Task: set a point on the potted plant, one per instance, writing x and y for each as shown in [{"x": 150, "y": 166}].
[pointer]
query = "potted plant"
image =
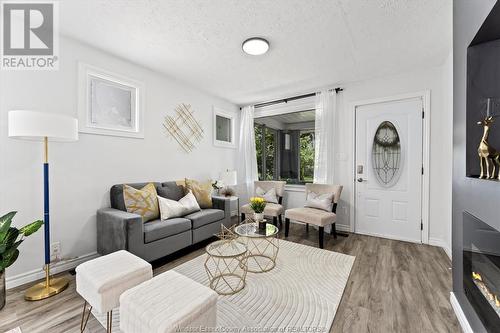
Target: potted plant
[
  {"x": 258, "y": 204},
  {"x": 10, "y": 239}
]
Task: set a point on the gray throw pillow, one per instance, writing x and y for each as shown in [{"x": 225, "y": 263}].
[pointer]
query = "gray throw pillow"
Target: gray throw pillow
[
  {"x": 170, "y": 191},
  {"x": 320, "y": 201}
]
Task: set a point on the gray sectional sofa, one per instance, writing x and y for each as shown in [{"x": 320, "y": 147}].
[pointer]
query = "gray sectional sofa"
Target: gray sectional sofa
[{"x": 119, "y": 230}]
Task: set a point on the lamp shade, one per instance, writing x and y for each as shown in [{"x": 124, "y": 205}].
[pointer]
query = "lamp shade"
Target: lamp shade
[
  {"x": 228, "y": 178},
  {"x": 36, "y": 125}
]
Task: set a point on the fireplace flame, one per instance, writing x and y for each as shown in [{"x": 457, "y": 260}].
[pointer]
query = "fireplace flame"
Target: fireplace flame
[{"x": 489, "y": 295}]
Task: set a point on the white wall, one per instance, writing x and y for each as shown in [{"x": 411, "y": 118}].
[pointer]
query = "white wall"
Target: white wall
[
  {"x": 436, "y": 80},
  {"x": 447, "y": 137},
  {"x": 82, "y": 172}
]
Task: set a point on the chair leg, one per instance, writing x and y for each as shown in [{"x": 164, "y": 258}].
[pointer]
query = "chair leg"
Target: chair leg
[
  {"x": 333, "y": 231},
  {"x": 321, "y": 233},
  {"x": 275, "y": 221},
  {"x": 109, "y": 321},
  {"x": 287, "y": 226},
  {"x": 83, "y": 322},
  {"x": 242, "y": 217},
  {"x": 280, "y": 220},
  {"x": 307, "y": 227}
]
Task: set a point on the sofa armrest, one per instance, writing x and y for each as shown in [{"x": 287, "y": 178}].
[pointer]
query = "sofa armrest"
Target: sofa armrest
[
  {"x": 115, "y": 229},
  {"x": 225, "y": 205}
]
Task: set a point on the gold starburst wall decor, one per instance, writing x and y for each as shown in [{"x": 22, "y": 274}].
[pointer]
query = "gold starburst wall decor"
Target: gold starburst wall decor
[{"x": 183, "y": 127}]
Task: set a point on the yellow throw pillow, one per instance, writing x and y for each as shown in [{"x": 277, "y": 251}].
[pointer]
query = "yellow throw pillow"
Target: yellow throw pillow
[
  {"x": 202, "y": 192},
  {"x": 143, "y": 202}
]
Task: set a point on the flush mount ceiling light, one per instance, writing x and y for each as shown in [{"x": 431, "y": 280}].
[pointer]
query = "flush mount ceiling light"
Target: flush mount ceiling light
[{"x": 255, "y": 46}]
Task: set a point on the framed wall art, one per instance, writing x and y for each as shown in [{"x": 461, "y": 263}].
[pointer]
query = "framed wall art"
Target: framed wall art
[{"x": 109, "y": 103}]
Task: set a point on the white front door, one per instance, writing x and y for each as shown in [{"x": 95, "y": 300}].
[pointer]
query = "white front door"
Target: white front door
[{"x": 389, "y": 169}]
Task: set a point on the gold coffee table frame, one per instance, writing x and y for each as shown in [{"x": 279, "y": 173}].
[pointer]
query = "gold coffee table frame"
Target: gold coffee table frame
[
  {"x": 262, "y": 246},
  {"x": 226, "y": 266}
]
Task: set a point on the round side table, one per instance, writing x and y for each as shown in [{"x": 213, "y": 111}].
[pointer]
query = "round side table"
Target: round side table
[
  {"x": 226, "y": 266},
  {"x": 262, "y": 245}
]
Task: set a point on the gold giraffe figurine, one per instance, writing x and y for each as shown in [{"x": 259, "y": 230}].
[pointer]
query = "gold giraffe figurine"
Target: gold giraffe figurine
[{"x": 489, "y": 158}]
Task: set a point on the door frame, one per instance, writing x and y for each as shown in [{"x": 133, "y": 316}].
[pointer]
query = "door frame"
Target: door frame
[{"x": 425, "y": 95}]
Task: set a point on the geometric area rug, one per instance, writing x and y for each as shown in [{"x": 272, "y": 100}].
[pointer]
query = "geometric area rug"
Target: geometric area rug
[{"x": 301, "y": 293}]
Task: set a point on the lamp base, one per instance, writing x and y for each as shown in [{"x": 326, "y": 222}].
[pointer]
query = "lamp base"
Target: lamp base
[
  {"x": 41, "y": 291},
  {"x": 46, "y": 289}
]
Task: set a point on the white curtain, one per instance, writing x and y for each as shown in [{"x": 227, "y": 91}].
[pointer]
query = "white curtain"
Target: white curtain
[
  {"x": 247, "y": 156},
  {"x": 324, "y": 157}
]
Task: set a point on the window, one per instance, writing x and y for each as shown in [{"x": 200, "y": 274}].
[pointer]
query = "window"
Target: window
[
  {"x": 306, "y": 155},
  {"x": 285, "y": 147},
  {"x": 223, "y": 129}
]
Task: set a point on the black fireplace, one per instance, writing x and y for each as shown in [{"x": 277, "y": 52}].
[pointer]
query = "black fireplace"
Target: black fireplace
[{"x": 481, "y": 268}]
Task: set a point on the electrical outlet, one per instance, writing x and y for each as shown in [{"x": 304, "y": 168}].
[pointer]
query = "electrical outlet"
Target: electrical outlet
[{"x": 55, "y": 251}]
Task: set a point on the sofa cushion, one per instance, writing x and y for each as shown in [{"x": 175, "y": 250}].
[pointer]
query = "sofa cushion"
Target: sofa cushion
[
  {"x": 116, "y": 194},
  {"x": 170, "y": 190},
  {"x": 159, "y": 229},
  {"x": 205, "y": 216}
]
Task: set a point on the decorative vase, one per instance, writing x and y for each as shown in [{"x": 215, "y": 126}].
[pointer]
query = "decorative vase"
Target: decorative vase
[
  {"x": 258, "y": 217},
  {"x": 3, "y": 291}
]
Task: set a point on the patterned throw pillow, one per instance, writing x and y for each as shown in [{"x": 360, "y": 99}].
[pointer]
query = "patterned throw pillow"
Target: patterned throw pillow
[
  {"x": 143, "y": 202},
  {"x": 269, "y": 196},
  {"x": 320, "y": 201},
  {"x": 202, "y": 192}
]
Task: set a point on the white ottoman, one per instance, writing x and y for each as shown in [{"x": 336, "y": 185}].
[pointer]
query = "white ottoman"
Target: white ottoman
[
  {"x": 170, "y": 302},
  {"x": 101, "y": 281}
]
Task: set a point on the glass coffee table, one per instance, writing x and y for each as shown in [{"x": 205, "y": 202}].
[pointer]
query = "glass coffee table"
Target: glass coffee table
[
  {"x": 262, "y": 246},
  {"x": 226, "y": 266}
]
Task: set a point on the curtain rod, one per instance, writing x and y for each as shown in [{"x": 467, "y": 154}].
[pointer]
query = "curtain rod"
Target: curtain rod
[{"x": 286, "y": 100}]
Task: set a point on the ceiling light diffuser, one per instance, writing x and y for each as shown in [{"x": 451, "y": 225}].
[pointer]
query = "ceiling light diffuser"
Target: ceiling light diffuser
[{"x": 255, "y": 46}]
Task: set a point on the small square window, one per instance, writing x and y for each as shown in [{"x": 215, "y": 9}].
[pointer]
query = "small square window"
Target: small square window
[{"x": 223, "y": 129}]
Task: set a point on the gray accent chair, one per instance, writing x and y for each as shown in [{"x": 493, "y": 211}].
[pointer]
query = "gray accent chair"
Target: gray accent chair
[{"x": 119, "y": 230}]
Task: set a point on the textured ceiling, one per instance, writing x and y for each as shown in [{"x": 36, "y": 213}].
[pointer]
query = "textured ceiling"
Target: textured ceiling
[{"x": 314, "y": 43}]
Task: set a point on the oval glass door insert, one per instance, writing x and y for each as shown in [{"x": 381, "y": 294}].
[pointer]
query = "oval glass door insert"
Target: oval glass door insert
[{"x": 386, "y": 154}]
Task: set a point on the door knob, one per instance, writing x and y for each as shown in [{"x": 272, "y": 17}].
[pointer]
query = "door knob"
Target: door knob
[{"x": 360, "y": 180}]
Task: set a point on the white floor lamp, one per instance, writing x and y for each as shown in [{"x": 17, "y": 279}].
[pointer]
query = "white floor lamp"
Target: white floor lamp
[{"x": 40, "y": 126}]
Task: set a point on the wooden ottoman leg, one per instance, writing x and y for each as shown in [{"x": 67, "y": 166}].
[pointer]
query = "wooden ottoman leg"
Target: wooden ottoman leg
[
  {"x": 280, "y": 220},
  {"x": 242, "y": 217},
  {"x": 287, "y": 226},
  {"x": 275, "y": 221},
  {"x": 307, "y": 227},
  {"x": 321, "y": 233},
  {"x": 333, "y": 231}
]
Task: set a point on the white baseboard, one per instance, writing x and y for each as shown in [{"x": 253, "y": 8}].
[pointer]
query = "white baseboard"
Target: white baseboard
[
  {"x": 442, "y": 244},
  {"x": 460, "y": 314},
  {"x": 343, "y": 227},
  {"x": 37, "y": 274},
  {"x": 339, "y": 227}
]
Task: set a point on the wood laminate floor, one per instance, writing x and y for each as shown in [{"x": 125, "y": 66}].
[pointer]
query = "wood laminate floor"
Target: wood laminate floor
[{"x": 393, "y": 287}]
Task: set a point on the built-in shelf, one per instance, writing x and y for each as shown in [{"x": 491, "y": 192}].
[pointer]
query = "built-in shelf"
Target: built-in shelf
[{"x": 483, "y": 98}]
